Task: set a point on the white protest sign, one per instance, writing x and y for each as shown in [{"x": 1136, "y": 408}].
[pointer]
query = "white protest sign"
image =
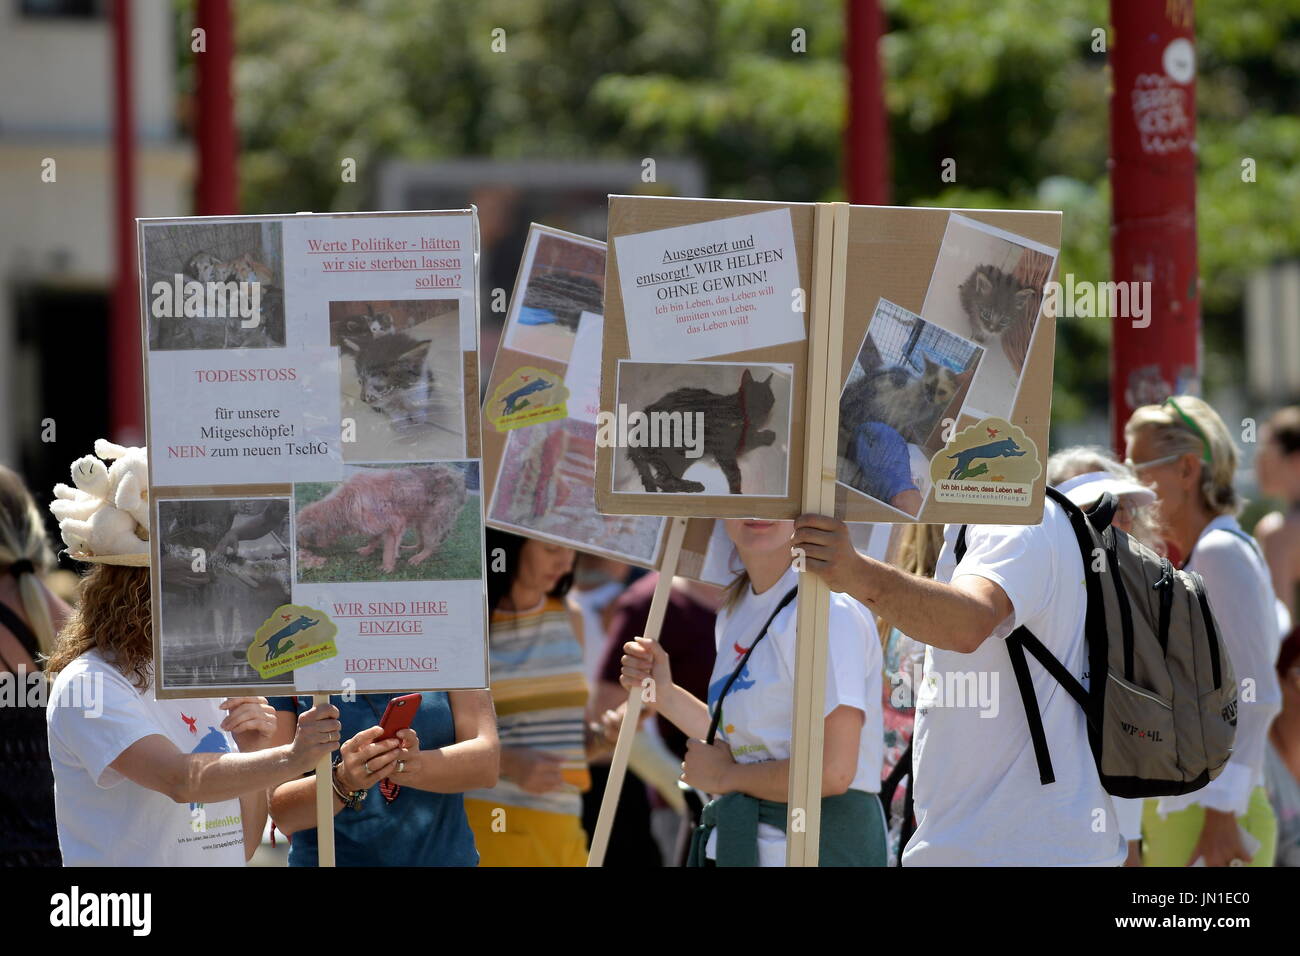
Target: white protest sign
[{"x": 712, "y": 288}]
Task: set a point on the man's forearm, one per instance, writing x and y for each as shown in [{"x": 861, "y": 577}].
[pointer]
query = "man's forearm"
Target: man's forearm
[{"x": 925, "y": 610}]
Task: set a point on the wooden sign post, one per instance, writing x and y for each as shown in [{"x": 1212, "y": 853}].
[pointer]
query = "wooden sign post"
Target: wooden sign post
[
  {"x": 635, "y": 697},
  {"x": 324, "y": 801},
  {"x": 803, "y": 826}
]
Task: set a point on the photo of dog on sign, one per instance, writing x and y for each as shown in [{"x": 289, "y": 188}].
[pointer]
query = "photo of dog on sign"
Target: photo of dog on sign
[{"x": 407, "y": 522}]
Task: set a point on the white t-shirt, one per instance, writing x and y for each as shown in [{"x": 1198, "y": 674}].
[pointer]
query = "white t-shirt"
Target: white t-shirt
[
  {"x": 757, "y": 711},
  {"x": 978, "y": 799},
  {"x": 104, "y": 819},
  {"x": 1240, "y": 592}
]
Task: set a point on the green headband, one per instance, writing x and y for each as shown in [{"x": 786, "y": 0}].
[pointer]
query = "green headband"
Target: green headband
[{"x": 1196, "y": 430}]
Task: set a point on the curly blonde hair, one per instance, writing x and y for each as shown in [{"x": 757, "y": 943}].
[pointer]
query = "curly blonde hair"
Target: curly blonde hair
[{"x": 113, "y": 617}]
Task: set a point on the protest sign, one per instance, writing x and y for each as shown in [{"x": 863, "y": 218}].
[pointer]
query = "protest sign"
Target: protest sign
[
  {"x": 312, "y": 411},
  {"x": 944, "y": 378},
  {"x": 541, "y": 406}
]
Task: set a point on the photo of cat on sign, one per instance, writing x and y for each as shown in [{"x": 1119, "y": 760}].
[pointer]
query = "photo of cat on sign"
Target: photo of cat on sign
[
  {"x": 987, "y": 286},
  {"x": 400, "y": 373},
  {"x": 909, "y": 377},
  {"x": 714, "y": 428}
]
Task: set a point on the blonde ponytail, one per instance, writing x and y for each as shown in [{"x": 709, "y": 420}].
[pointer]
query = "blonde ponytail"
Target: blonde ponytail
[{"x": 25, "y": 553}]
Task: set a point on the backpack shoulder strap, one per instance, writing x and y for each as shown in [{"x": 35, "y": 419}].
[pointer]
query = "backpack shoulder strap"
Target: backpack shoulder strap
[
  {"x": 1018, "y": 642},
  {"x": 717, "y": 708}
]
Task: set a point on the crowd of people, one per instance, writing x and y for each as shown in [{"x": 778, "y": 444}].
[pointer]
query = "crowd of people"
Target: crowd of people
[{"x": 104, "y": 773}]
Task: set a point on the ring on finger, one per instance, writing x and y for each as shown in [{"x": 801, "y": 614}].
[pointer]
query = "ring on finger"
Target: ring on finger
[
  {"x": 401, "y": 766},
  {"x": 367, "y": 766}
]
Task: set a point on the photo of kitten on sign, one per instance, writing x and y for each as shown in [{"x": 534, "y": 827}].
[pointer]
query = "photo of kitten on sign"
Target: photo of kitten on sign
[
  {"x": 909, "y": 377},
  {"x": 987, "y": 286},
  {"x": 213, "y": 285},
  {"x": 715, "y": 428},
  {"x": 400, "y": 365},
  {"x": 361, "y": 529}
]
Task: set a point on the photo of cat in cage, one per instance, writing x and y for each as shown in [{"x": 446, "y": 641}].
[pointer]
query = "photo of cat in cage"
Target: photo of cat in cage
[
  {"x": 563, "y": 277},
  {"x": 401, "y": 377},
  {"x": 987, "y": 286},
  {"x": 227, "y": 259},
  {"x": 713, "y": 428},
  {"x": 909, "y": 377}
]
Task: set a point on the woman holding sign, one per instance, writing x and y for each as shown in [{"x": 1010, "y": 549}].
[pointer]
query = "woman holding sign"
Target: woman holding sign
[
  {"x": 140, "y": 781},
  {"x": 740, "y": 746},
  {"x": 397, "y": 796}
]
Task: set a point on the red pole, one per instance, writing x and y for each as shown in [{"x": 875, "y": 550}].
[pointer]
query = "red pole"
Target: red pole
[
  {"x": 1153, "y": 202},
  {"x": 126, "y": 399},
  {"x": 866, "y": 137},
  {"x": 217, "y": 188}
]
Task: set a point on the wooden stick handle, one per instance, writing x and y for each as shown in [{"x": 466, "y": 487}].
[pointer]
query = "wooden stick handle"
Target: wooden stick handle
[
  {"x": 632, "y": 716},
  {"x": 324, "y": 802}
]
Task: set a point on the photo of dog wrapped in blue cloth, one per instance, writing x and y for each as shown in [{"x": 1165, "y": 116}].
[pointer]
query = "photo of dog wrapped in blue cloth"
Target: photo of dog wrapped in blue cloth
[{"x": 909, "y": 378}]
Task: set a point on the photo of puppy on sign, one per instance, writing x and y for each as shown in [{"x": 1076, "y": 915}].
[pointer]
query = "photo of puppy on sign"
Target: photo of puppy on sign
[{"x": 358, "y": 529}]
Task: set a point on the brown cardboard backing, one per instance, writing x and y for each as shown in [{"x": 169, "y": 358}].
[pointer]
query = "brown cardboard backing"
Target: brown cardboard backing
[
  {"x": 268, "y": 490},
  {"x": 891, "y": 252},
  {"x": 897, "y": 248},
  {"x": 634, "y": 214}
]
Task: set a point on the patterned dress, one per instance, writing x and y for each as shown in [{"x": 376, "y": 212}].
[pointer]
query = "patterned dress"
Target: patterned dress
[{"x": 540, "y": 692}]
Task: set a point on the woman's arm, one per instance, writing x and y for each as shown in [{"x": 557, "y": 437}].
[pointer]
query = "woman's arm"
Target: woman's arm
[
  {"x": 473, "y": 762},
  {"x": 712, "y": 769},
  {"x": 154, "y": 762},
  {"x": 646, "y": 670},
  {"x": 292, "y": 805}
]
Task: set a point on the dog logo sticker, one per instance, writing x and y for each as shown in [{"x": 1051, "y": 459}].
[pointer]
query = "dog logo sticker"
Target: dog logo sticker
[
  {"x": 990, "y": 462},
  {"x": 529, "y": 396},
  {"x": 294, "y": 636}
]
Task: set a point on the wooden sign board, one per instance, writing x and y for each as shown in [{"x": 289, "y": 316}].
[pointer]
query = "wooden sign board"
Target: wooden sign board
[
  {"x": 946, "y": 361},
  {"x": 311, "y": 389}
]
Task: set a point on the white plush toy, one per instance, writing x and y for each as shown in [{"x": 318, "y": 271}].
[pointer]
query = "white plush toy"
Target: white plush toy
[
  {"x": 128, "y": 479},
  {"x": 107, "y": 513}
]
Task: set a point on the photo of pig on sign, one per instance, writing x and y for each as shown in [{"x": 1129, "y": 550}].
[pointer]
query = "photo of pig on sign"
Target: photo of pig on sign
[{"x": 709, "y": 289}]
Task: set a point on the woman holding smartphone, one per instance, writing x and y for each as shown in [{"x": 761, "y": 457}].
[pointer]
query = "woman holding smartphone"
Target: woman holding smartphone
[
  {"x": 397, "y": 799},
  {"x": 750, "y": 697}
]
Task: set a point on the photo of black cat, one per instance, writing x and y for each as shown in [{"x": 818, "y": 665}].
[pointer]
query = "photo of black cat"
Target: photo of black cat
[
  {"x": 908, "y": 377},
  {"x": 702, "y": 428}
]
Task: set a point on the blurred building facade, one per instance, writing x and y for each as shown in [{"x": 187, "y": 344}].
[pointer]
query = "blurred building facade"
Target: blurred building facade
[{"x": 56, "y": 203}]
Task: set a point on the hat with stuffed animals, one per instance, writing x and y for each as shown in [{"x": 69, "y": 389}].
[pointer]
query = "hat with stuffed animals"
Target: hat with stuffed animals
[{"x": 105, "y": 518}]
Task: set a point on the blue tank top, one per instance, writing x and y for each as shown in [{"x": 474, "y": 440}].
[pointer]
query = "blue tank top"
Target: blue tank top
[{"x": 418, "y": 828}]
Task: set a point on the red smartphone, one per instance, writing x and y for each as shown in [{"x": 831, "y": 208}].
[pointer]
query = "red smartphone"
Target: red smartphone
[{"x": 398, "y": 714}]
